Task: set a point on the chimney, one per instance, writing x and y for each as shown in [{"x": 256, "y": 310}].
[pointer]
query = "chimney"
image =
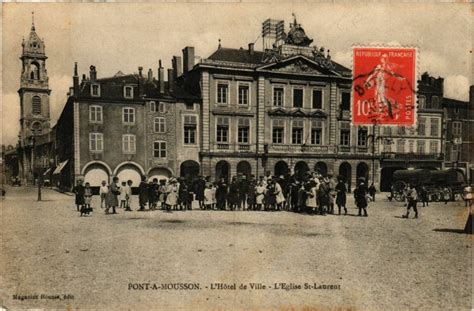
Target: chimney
[
  {"x": 177, "y": 67},
  {"x": 141, "y": 82},
  {"x": 92, "y": 73},
  {"x": 161, "y": 78},
  {"x": 84, "y": 78},
  {"x": 188, "y": 58},
  {"x": 75, "y": 81},
  {"x": 170, "y": 80},
  {"x": 150, "y": 75},
  {"x": 251, "y": 48}
]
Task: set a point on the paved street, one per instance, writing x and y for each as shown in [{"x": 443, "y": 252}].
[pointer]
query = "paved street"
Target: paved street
[{"x": 381, "y": 262}]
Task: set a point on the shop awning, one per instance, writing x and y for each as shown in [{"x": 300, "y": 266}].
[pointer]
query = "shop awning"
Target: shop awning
[{"x": 60, "y": 167}]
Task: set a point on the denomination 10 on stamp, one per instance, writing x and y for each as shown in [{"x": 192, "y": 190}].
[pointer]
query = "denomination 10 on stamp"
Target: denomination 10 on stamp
[{"x": 384, "y": 86}]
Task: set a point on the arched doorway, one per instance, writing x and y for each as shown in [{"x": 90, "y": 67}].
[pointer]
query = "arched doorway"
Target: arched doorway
[
  {"x": 386, "y": 177},
  {"x": 281, "y": 168},
  {"x": 222, "y": 170},
  {"x": 94, "y": 175},
  {"x": 301, "y": 169},
  {"x": 362, "y": 170},
  {"x": 189, "y": 170},
  {"x": 129, "y": 172},
  {"x": 345, "y": 173},
  {"x": 321, "y": 168},
  {"x": 159, "y": 173},
  {"x": 244, "y": 168}
]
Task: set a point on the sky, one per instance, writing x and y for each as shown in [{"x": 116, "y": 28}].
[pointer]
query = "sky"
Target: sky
[{"x": 125, "y": 36}]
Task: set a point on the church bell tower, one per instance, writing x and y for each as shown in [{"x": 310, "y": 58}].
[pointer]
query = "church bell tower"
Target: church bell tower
[{"x": 34, "y": 88}]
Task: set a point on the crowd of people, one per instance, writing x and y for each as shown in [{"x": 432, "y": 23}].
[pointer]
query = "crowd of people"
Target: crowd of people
[{"x": 303, "y": 193}]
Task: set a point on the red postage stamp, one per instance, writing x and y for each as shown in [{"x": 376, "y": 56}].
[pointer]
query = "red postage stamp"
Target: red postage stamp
[{"x": 384, "y": 86}]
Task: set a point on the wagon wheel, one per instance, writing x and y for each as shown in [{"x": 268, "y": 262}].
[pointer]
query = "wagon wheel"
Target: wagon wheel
[{"x": 398, "y": 191}]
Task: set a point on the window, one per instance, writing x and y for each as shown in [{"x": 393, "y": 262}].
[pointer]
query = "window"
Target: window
[
  {"x": 128, "y": 115},
  {"x": 243, "y": 95},
  {"x": 316, "y": 133},
  {"x": 222, "y": 93},
  {"x": 152, "y": 107},
  {"x": 189, "y": 106},
  {"x": 420, "y": 146},
  {"x": 190, "y": 126},
  {"x": 36, "y": 105},
  {"x": 159, "y": 125},
  {"x": 400, "y": 146},
  {"x": 298, "y": 98},
  {"x": 422, "y": 102},
  {"x": 457, "y": 128},
  {"x": 411, "y": 146},
  {"x": 387, "y": 131},
  {"x": 243, "y": 131},
  {"x": 434, "y": 127},
  {"x": 433, "y": 147},
  {"x": 297, "y": 132},
  {"x": 317, "y": 99},
  {"x": 362, "y": 137},
  {"x": 401, "y": 130},
  {"x": 278, "y": 131},
  {"x": 96, "y": 142},
  {"x": 95, "y": 90},
  {"x": 222, "y": 135},
  {"x": 36, "y": 128},
  {"x": 345, "y": 134},
  {"x": 161, "y": 108},
  {"x": 95, "y": 114},
  {"x": 387, "y": 147},
  {"x": 455, "y": 149},
  {"x": 278, "y": 96},
  {"x": 345, "y": 101},
  {"x": 421, "y": 126},
  {"x": 128, "y": 143},
  {"x": 434, "y": 102},
  {"x": 128, "y": 91},
  {"x": 159, "y": 149}
]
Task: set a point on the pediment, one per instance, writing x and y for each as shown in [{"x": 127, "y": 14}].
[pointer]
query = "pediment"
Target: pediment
[
  {"x": 298, "y": 65},
  {"x": 278, "y": 112},
  {"x": 319, "y": 114},
  {"x": 298, "y": 113}
]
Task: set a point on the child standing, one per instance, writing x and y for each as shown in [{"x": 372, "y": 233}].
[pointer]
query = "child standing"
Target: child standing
[
  {"x": 86, "y": 208},
  {"x": 128, "y": 195},
  {"x": 103, "y": 194},
  {"x": 123, "y": 195},
  {"x": 208, "y": 196}
]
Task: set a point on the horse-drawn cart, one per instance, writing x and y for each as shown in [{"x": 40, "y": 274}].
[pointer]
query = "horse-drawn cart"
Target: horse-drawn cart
[{"x": 442, "y": 185}]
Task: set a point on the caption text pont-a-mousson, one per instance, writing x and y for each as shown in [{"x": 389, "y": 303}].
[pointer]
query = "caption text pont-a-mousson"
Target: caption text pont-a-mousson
[{"x": 232, "y": 286}]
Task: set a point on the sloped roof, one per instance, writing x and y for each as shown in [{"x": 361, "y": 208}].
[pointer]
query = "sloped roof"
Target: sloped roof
[
  {"x": 450, "y": 102},
  {"x": 256, "y": 58},
  {"x": 237, "y": 56}
]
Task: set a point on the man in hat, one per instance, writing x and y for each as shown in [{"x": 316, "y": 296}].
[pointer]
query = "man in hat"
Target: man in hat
[
  {"x": 243, "y": 185},
  {"x": 360, "y": 196},
  {"x": 199, "y": 187}
]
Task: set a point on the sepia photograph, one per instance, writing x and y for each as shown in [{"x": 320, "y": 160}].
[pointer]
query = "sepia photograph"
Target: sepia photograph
[{"x": 237, "y": 156}]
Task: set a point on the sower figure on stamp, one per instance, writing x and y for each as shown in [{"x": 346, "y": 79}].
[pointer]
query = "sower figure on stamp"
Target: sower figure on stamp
[
  {"x": 378, "y": 75},
  {"x": 412, "y": 197}
]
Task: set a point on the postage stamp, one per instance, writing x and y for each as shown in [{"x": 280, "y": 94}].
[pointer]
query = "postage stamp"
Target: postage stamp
[{"x": 384, "y": 81}]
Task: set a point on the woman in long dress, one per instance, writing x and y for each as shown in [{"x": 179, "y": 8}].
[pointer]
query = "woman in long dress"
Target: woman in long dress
[
  {"x": 311, "y": 203},
  {"x": 112, "y": 198},
  {"x": 260, "y": 194},
  {"x": 172, "y": 194}
]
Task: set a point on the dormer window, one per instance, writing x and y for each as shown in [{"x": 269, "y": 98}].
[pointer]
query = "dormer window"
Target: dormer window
[
  {"x": 128, "y": 92},
  {"x": 95, "y": 90}
]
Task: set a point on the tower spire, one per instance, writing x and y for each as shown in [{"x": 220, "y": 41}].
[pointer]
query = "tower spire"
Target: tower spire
[{"x": 33, "y": 21}]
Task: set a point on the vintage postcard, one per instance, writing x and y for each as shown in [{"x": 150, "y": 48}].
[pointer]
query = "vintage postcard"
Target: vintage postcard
[{"x": 237, "y": 156}]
